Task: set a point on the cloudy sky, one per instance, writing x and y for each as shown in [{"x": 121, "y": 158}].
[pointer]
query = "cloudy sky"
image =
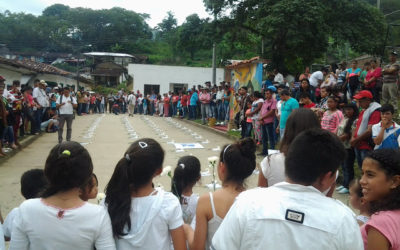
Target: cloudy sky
[{"x": 156, "y": 8}]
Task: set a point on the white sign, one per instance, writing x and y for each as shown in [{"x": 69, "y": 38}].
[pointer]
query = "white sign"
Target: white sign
[{"x": 189, "y": 145}]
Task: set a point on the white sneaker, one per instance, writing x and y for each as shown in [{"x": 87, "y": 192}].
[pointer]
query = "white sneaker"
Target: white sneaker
[{"x": 339, "y": 188}]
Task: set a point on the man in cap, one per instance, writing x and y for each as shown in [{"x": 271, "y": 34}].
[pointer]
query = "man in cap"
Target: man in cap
[
  {"x": 390, "y": 79},
  {"x": 369, "y": 116},
  {"x": 42, "y": 102}
]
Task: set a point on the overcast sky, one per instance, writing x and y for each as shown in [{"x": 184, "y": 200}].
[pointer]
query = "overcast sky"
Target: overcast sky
[{"x": 156, "y": 8}]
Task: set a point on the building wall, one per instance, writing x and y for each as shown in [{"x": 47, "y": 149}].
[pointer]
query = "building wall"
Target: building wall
[
  {"x": 11, "y": 75},
  {"x": 166, "y": 76}
]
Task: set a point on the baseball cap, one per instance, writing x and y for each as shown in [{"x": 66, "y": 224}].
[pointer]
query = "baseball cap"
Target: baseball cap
[
  {"x": 363, "y": 94},
  {"x": 43, "y": 82},
  {"x": 394, "y": 53}
]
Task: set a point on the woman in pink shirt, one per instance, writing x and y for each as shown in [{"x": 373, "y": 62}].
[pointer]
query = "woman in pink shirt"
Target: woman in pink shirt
[
  {"x": 380, "y": 185},
  {"x": 332, "y": 117},
  {"x": 205, "y": 99},
  {"x": 374, "y": 74}
]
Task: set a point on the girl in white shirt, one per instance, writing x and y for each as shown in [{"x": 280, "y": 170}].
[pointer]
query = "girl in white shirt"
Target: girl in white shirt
[
  {"x": 236, "y": 162},
  {"x": 186, "y": 175},
  {"x": 61, "y": 220},
  {"x": 143, "y": 217},
  {"x": 273, "y": 166}
]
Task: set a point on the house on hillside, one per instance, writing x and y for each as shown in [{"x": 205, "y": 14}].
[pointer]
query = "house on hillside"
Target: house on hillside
[
  {"x": 26, "y": 71},
  {"x": 111, "y": 69}
]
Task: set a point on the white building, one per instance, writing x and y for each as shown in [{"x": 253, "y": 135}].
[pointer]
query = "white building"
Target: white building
[{"x": 162, "y": 79}]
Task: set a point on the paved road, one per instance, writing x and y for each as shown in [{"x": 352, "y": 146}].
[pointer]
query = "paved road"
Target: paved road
[{"x": 107, "y": 137}]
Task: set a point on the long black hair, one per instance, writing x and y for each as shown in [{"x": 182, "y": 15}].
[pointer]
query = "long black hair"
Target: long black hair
[
  {"x": 298, "y": 121},
  {"x": 239, "y": 159},
  {"x": 350, "y": 121},
  {"x": 68, "y": 166},
  {"x": 186, "y": 174},
  {"x": 389, "y": 162},
  {"x": 134, "y": 170}
]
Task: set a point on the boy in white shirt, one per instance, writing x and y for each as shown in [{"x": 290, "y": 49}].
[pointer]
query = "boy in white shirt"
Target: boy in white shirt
[
  {"x": 295, "y": 214},
  {"x": 66, "y": 105},
  {"x": 386, "y": 134}
]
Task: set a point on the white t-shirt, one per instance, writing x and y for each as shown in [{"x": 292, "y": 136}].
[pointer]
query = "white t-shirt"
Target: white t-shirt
[
  {"x": 279, "y": 107},
  {"x": 41, "y": 97},
  {"x": 9, "y": 222},
  {"x": 288, "y": 216},
  {"x": 132, "y": 99},
  {"x": 390, "y": 136},
  {"x": 66, "y": 109},
  {"x": 255, "y": 104},
  {"x": 2, "y": 245},
  {"x": 315, "y": 78},
  {"x": 273, "y": 168},
  {"x": 189, "y": 205},
  {"x": 152, "y": 217},
  {"x": 278, "y": 78},
  {"x": 39, "y": 226}
]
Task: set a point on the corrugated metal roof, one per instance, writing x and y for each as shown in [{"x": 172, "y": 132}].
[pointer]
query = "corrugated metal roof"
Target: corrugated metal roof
[{"x": 108, "y": 54}]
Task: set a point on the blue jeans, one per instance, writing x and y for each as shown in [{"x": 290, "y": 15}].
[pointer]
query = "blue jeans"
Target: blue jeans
[
  {"x": 360, "y": 155},
  {"x": 8, "y": 134},
  {"x": 226, "y": 111},
  {"x": 348, "y": 167},
  {"x": 267, "y": 132},
  {"x": 220, "y": 111},
  {"x": 184, "y": 111},
  {"x": 249, "y": 128},
  {"x": 213, "y": 110},
  {"x": 192, "y": 112},
  {"x": 79, "y": 111},
  {"x": 38, "y": 114}
]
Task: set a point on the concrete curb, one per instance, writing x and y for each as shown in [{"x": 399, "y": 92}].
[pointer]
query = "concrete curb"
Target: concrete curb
[
  {"x": 215, "y": 131},
  {"x": 25, "y": 142}
]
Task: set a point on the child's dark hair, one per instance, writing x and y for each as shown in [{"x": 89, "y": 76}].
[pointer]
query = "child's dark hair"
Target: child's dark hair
[
  {"x": 186, "y": 174},
  {"x": 389, "y": 162},
  {"x": 313, "y": 153},
  {"x": 350, "y": 121},
  {"x": 90, "y": 183},
  {"x": 257, "y": 94},
  {"x": 33, "y": 182},
  {"x": 304, "y": 95},
  {"x": 68, "y": 166},
  {"x": 334, "y": 98},
  {"x": 298, "y": 121},
  {"x": 240, "y": 160},
  {"x": 387, "y": 107},
  {"x": 356, "y": 184},
  {"x": 136, "y": 168}
]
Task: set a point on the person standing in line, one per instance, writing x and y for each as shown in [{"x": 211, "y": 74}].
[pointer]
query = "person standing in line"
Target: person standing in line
[
  {"x": 131, "y": 103},
  {"x": 266, "y": 118},
  {"x": 205, "y": 99},
  {"x": 288, "y": 105},
  {"x": 42, "y": 102},
  {"x": 373, "y": 75},
  {"x": 244, "y": 99},
  {"x": 390, "y": 81},
  {"x": 333, "y": 116},
  {"x": 65, "y": 105},
  {"x": 193, "y": 105}
]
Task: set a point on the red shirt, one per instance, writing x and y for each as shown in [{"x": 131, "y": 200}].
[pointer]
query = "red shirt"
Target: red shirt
[
  {"x": 376, "y": 73},
  {"x": 184, "y": 100},
  {"x": 373, "y": 119},
  {"x": 309, "y": 106}
]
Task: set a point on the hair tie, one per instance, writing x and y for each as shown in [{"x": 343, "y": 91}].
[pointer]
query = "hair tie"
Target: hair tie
[
  {"x": 223, "y": 154},
  {"x": 182, "y": 165},
  {"x": 66, "y": 152},
  {"x": 143, "y": 144},
  {"x": 128, "y": 158}
]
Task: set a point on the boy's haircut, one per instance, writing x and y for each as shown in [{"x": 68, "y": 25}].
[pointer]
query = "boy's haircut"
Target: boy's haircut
[
  {"x": 285, "y": 92},
  {"x": 33, "y": 182},
  {"x": 68, "y": 166},
  {"x": 304, "y": 95},
  {"x": 312, "y": 154},
  {"x": 240, "y": 160},
  {"x": 257, "y": 94},
  {"x": 387, "y": 107},
  {"x": 186, "y": 173},
  {"x": 244, "y": 88},
  {"x": 389, "y": 162},
  {"x": 269, "y": 90},
  {"x": 355, "y": 183}
]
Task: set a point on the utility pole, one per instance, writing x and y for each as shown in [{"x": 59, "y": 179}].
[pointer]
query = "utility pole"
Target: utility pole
[
  {"x": 214, "y": 57},
  {"x": 378, "y": 4}
]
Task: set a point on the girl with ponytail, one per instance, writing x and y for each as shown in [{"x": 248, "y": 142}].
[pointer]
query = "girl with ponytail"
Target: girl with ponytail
[
  {"x": 237, "y": 161},
  {"x": 143, "y": 217},
  {"x": 60, "y": 219},
  {"x": 186, "y": 174}
]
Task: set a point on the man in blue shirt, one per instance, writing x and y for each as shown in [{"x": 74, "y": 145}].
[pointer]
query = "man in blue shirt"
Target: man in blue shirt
[
  {"x": 288, "y": 105},
  {"x": 386, "y": 133},
  {"x": 193, "y": 103}
]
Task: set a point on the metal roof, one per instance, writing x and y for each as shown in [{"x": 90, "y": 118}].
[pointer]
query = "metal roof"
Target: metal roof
[{"x": 108, "y": 54}]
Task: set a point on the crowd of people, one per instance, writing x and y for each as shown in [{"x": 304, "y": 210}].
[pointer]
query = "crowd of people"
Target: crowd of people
[{"x": 295, "y": 211}]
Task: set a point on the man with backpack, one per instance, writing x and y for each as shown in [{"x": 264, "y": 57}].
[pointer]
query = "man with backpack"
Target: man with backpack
[{"x": 65, "y": 105}]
